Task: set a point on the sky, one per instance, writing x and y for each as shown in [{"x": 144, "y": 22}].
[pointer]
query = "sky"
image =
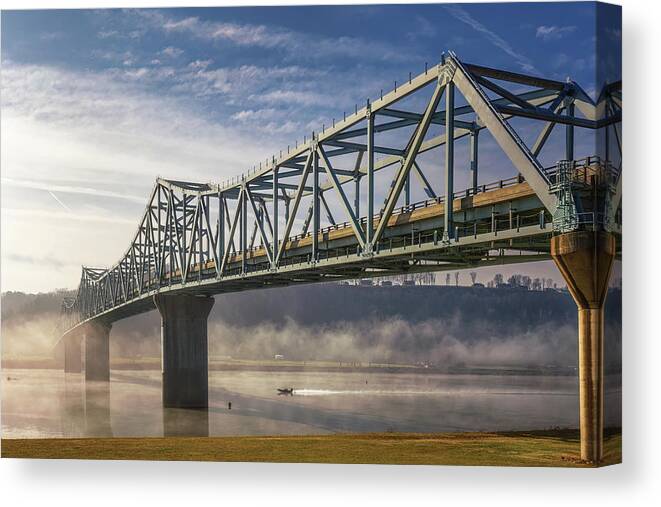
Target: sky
[{"x": 96, "y": 104}]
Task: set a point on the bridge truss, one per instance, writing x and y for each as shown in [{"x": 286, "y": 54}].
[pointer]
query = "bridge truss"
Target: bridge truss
[{"x": 205, "y": 238}]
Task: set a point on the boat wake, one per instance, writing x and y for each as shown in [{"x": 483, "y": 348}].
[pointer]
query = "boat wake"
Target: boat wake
[{"x": 437, "y": 392}]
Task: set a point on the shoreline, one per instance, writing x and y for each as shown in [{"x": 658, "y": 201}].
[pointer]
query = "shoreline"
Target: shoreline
[
  {"x": 544, "y": 448},
  {"x": 153, "y": 364}
]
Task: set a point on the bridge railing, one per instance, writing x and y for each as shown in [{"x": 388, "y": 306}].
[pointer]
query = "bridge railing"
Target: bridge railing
[
  {"x": 588, "y": 171},
  {"x": 469, "y": 192}
]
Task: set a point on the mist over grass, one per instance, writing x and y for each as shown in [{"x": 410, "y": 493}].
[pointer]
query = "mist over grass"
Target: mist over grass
[{"x": 432, "y": 324}]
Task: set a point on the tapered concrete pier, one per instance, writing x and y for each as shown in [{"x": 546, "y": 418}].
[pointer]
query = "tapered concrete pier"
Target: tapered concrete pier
[
  {"x": 585, "y": 260},
  {"x": 97, "y": 351},
  {"x": 184, "y": 359},
  {"x": 73, "y": 358}
]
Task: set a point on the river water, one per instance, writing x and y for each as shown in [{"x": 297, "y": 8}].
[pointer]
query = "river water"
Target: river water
[{"x": 48, "y": 403}]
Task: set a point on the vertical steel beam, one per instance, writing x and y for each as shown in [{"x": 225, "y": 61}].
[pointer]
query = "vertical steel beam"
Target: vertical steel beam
[
  {"x": 473, "y": 157},
  {"x": 184, "y": 264},
  {"x": 220, "y": 240},
  {"x": 356, "y": 196},
  {"x": 244, "y": 230},
  {"x": 606, "y": 144},
  {"x": 407, "y": 191},
  {"x": 370, "y": 180},
  {"x": 287, "y": 205},
  {"x": 315, "y": 205},
  {"x": 276, "y": 218},
  {"x": 208, "y": 230},
  {"x": 569, "y": 134},
  {"x": 159, "y": 238},
  {"x": 448, "y": 232}
]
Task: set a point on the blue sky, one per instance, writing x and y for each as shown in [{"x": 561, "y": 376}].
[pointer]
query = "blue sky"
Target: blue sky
[{"x": 97, "y": 103}]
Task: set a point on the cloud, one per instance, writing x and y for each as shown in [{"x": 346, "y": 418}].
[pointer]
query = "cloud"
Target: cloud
[
  {"x": 51, "y": 36},
  {"x": 126, "y": 58},
  {"x": 171, "y": 52},
  {"x": 245, "y": 35},
  {"x": 107, "y": 34},
  {"x": 260, "y": 114},
  {"x": 200, "y": 64},
  {"x": 9, "y": 213},
  {"x": 115, "y": 34},
  {"x": 50, "y": 188},
  {"x": 267, "y": 120},
  {"x": 553, "y": 32},
  {"x": 305, "y": 98},
  {"x": 423, "y": 29},
  {"x": 101, "y": 139},
  {"x": 34, "y": 260},
  {"x": 523, "y": 61},
  {"x": 301, "y": 44}
]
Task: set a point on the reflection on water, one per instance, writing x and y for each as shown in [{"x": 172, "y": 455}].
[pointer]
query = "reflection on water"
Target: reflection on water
[
  {"x": 48, "y": 403},
  {"x": 185, "y": 422}
]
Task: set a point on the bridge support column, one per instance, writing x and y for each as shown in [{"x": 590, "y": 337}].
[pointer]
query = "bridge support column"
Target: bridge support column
[
  {"x": 585, "y": 260},
  {"x": 97, "y": 351},
  {"x": 73, "y": 358},
  {"x": 184, "y": 355}
]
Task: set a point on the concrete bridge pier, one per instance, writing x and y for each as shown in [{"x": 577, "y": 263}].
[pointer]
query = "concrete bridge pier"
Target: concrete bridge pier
[
  {"x": 184, "y": 350},
  {"x": 73, "y": 359},
  {"x": 97, "y": 351},
  {"x": 585, "y": 260}
]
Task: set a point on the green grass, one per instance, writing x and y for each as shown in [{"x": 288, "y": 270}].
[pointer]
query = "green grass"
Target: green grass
[{"x": 540, "y": 448}]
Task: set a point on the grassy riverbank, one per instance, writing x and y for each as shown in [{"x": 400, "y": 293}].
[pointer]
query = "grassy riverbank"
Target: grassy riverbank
[{"x": 538, "y": 448}]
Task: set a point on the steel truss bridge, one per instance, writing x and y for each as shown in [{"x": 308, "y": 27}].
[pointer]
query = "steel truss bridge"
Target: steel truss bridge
[{"x": 207, "y": 239}]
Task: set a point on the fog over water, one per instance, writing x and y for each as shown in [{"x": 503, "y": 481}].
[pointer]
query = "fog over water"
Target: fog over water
[
  {"x": 48, "y": 403},
  {"x": 438, "y": 324},
  {"x": 442, "y": 326}
]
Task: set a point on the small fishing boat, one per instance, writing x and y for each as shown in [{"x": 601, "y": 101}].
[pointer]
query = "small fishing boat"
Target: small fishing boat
[{"x": 286, "y": 390}]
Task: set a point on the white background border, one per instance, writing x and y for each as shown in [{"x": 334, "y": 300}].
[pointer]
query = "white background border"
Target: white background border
[{"x": 636, "y": 482}]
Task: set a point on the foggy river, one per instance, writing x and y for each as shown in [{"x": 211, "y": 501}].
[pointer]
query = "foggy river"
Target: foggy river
[{"x": 46, "y": 403}]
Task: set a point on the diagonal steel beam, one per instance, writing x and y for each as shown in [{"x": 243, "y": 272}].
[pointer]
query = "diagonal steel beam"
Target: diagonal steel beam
[
  {"x": 212, "y": 239},
  {"x": 235, "y": 221},
  {"x": 544, "y": 134},
  {"x": 194, "y": 235},
  {"x": 505, "y": 136},
  {"x": 260, "y": 225},
  {"x": 353, "y": 221},
  {"x": 423, "y": 179},
  {"x": 506, "y": 94},
  {"x": 292, "y": 212},
  {"x": 411, "y": 153},
  {"x": 329, "y": 215},
  {"x": 230, "y": 245}
]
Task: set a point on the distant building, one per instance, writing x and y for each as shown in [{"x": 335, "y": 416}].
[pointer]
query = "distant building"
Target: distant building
[{"x": 278, "y": 356}]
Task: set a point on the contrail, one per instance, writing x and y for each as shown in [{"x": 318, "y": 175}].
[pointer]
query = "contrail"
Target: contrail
[
  {"x": 462, "y": 15},
  {"x": 60, "y": 202}
]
